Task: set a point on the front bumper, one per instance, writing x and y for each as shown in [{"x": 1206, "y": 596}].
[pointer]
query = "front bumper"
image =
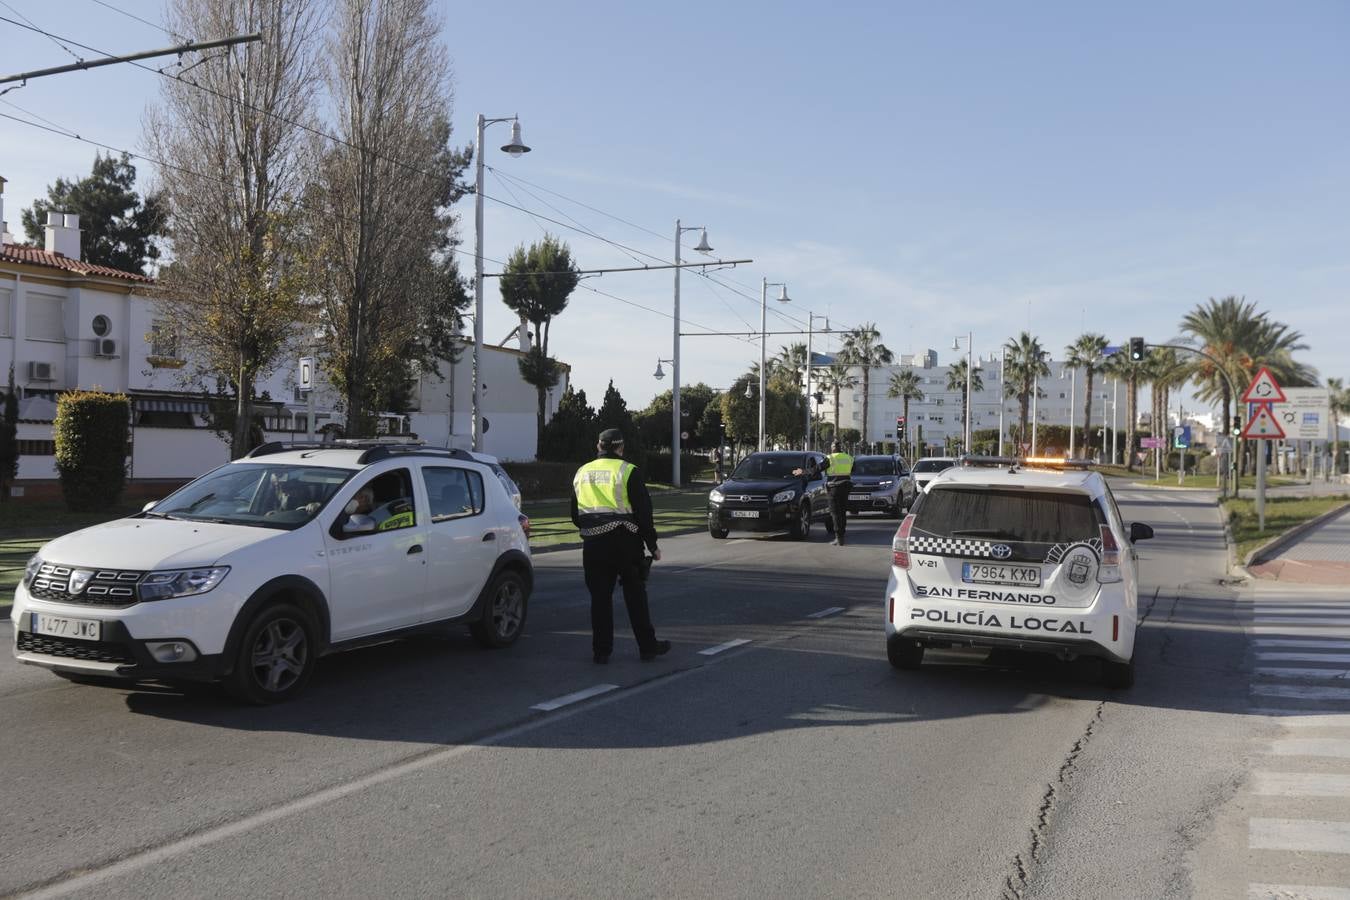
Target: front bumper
[
  {"x": 886, "y": 500},
  {"x": 778, "y": 517},
  {"x": 1106, "y": 629},
  {"x": 201, "y": 622}
]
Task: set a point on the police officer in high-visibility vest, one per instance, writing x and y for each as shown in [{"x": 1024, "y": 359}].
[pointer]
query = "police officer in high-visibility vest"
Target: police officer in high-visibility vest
[
  {"x": 611, "y": 507},
  {"x": 838, "y": 481}
]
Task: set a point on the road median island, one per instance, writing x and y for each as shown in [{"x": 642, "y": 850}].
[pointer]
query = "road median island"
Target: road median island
[
  {"x": 1286, "y": 519},
  {"x": 675, "y": 512}
]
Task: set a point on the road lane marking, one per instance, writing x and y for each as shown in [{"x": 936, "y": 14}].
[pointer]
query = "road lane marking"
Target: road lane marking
[
  {"x": 575, "y": 697},
  {"x": 1306, "y": 645},
  {"x": 826, "y": 612},
  {"x": 1282, "y": 656},
  {"x": 1302, "y": 630},
  {"x": 1300, "y": 835},
  {"x": 713, "y": 651},
  {"x": 1302, "y": 620},
  {"x": 1301, "y": 691},
  {"x": 1303, "y": 718},
  {"x": 1300, "y": 784},
  {"x": 1301, "y": 891},
  {"x": 1306, "y": 673},
  {"x": 1329, "y": 747}
]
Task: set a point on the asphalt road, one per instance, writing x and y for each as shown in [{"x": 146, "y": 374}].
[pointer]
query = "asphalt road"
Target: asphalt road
[{"x": 795, "y": 764}]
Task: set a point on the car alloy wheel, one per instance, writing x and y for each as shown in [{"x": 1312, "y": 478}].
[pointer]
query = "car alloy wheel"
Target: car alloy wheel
[
  {"x": 279, "y": 655},
  {"x": 508, "y": 609},
  {"x": 276, "y": 655}
]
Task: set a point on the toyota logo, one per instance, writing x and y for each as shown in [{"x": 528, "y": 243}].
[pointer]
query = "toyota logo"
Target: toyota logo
[
  {"x": 1000, "y": 551},
  {"x": 744, "y": 498}
]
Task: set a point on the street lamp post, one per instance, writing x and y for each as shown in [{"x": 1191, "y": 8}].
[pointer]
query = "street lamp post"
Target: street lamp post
[
  {"x": 1073, "y": 401},
  {"x": 675, "y": 429},
  {"x": 1115, "y": 427},
  {"x": 514, "y": 148},
  {"x": 763, "y": 345},
  {"x": 970, "y": 369},
  {"x": 808, "y": 441},
  {"x": 1035, "y": 395},
  {"x": 1002, "y": 400}
]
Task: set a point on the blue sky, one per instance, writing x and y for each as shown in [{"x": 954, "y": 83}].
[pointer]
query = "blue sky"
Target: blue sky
[{"x": 934, "y": 168}]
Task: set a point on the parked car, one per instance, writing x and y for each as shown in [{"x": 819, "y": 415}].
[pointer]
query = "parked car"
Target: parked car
[
  {"x": 1016, "y": 557},
  {"x": 250, "y": 573},
  {"x": 880, "y": 484},
  {"x": 928, "y": 468},
  {"x": 763, "y": 494}
]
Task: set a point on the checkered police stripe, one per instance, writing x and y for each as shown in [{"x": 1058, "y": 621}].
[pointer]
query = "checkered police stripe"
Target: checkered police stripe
[{"x": 950, "y": 547}]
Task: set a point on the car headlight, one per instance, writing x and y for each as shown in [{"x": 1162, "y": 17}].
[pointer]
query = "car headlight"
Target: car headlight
[
  {"x": 31, "y": 569},
  {"x": 784, "y": 496},
  {"x": 181, "y": 583},
  {"x": 885, "y": 483},
  {"x": 715, "y": 496}
]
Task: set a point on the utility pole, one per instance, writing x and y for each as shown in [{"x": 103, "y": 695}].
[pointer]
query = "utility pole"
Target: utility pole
[{"x": 86, "y": 64}]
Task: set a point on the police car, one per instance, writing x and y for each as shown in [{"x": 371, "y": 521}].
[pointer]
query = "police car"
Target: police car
[
  {"x": 253, "y": 571},
  {"x": 1025, "y": 554}
]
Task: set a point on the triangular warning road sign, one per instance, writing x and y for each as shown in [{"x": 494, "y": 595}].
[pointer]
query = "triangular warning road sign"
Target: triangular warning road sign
[
  {"x": 1263, "y": 425},
  {"x": 1264, "y": 389}
]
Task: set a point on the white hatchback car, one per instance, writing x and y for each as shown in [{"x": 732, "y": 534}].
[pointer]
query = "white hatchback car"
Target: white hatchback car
[
  {"x": 250, "y": 573},
  {"x": 928, "y": 468},
  {"x": 1000, "y": 554}
]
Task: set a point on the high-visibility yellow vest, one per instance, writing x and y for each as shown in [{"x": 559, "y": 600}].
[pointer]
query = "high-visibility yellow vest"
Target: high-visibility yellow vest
[
  {"x": 601, "y": 487},
  {"x": 841, "y": 464}
]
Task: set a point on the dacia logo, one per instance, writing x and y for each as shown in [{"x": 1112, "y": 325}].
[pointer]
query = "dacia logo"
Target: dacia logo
[
  {"x": 79, "y": 580},
  {"x": 1000, "y": 551}
]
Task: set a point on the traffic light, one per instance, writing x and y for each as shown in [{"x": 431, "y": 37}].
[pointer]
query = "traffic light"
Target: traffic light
[
  {"x": 1136, "y": 349},
  {"x": 899, "y": 424}
]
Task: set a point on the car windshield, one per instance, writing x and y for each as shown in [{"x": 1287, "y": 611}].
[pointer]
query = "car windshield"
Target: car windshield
[
  {"x": 1041, "y": 517},
  {"x": 777, "y": 466},
  {"x": 260, "y": 494},
  {"x": 874, "y": 466},
  {"x": 932, "y": 465}
]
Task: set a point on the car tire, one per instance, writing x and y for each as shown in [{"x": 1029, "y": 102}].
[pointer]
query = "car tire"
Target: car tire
[
  {"x": 801, "y": 526},
  {"x": 718, "y": 533},
  {"x": 508, "y": 601},
  {"x": 276, "y": 656},
  {"x": 1118, "y": 676},
  {"x": 904, "y": 654}
]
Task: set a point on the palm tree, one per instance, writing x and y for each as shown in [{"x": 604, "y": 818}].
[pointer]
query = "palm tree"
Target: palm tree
[
  {"x": 956, "y": 381},
  {"x": 1133, "y": 374},
  {"x": 863, "y": 347},
  {"x": 792, "y": 357},
  {"x": 837, "y": 378},
  {"x": 1087, "y": 353},
  {"x": 1340, "y": 405},
  {"x": 1024, "y": 363},
  {"x": 1166, "y": 370},
  {"x": 905, "y": 386}
]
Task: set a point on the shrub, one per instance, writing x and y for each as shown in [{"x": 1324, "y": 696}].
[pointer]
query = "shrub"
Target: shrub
[{"x": 90, "y": 433}]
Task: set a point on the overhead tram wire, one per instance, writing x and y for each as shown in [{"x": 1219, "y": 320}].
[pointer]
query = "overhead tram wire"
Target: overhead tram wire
[
  {"x": 131, "y": 15},
  {"x": 50, "y": 37}
]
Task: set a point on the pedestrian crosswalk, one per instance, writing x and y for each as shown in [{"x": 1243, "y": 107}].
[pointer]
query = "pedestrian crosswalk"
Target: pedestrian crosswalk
[{"x": 1298, "y": 832}]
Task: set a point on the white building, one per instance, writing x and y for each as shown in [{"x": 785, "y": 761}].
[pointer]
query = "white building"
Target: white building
[
  {"x": 66, "y": 324},
  {"x": 938, "y": 416}
]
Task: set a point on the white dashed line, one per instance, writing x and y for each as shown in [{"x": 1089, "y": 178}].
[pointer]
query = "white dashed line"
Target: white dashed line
[
  {"x": 1300, "y": 835},
  {"x": 1282, "y": 656},
  {"x": 826, "y": 612},
  {"x": 1306, "y": 645},
  {"x": 1301, "y": 692},
  {"x": 574, "y": 697},
  {"x": 1286, "y": 619},
  {"x": 713, "y": 651},
  {"x": 1300, "y": 784},
  {"x": 1302, "y": 672},
  {"x": 1328, "y": 747},
  {"x": 1301, "y": 891}
]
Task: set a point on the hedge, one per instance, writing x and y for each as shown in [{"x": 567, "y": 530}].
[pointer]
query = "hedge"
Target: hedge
[{"x": 91, "y": 433}]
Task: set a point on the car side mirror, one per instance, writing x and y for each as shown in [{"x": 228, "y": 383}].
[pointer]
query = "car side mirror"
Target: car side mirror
[
  {"x": 1140, "y": 532},
  {"x": 358, "y": 523},
  {"x": 149, "y": 506}
]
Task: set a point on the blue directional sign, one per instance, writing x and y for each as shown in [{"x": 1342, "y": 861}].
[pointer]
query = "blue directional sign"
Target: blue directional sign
[{"x": 1181, "y": 437}]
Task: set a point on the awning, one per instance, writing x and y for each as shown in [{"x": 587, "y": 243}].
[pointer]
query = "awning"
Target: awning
[{"x": 147, "y": 404}]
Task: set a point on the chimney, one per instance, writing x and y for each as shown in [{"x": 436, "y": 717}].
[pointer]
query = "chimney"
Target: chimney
[
  {"x": 5, "y": 236},
  {"x": 524, "y": 334},
  {"x": 63, "y": 234}
]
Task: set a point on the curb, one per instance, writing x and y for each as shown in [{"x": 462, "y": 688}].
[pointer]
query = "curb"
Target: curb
[{"x": 1272, "y": 547}]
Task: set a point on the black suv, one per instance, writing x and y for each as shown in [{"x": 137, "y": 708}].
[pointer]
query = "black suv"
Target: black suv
[
  {"x": 763, "y": 494},
  {"x": 880, "y": 484}
]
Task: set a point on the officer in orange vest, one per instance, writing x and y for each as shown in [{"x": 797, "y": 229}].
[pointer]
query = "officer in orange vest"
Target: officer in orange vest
[{"x": 613, "y": 511}]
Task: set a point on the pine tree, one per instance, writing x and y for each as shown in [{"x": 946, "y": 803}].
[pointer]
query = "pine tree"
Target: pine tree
[
  {"x": 570, "y": 435},
  {"x": 614, "y": 414}
]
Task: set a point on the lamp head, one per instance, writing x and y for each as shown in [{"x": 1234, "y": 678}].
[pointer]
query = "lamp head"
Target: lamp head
[
  {"x": 782, "y": 295},
  {"x": 956, "y": 343},
  {"x": 703, "y": 246},
  {"x": 516, "y": 147},
  {"x": 660, "y": 372},
  {"x": 749, "y": 392}
]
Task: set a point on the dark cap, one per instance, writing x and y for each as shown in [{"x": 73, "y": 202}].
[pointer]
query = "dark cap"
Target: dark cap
[{"x": 611, "y": 437}]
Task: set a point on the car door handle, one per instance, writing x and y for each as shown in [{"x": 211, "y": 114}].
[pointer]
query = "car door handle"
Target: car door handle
[
  {"x": 490, "y": 536},
  {"x": 415, "y": 548}
]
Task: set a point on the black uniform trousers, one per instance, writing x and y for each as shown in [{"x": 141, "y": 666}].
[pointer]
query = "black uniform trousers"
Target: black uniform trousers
[
  {"x": 839, "y": 488},
  {"x": 616, "y": 556}
]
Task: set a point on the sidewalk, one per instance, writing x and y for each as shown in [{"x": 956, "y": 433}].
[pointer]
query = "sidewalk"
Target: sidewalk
[{"x": 1319, "y": 556}]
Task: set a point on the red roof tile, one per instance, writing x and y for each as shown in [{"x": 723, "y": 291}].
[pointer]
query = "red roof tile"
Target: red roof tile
[{"x": 34, "y": 256}]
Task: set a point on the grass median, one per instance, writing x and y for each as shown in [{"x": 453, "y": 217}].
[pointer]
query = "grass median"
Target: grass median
[
  {"x": 1282, "y": 513},
  {"x": 674, "y": 513}
]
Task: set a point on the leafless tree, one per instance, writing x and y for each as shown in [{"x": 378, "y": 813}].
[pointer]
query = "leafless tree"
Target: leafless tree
[
  {"x": 234, "y": 130},
  {"x": 389, "y": 292}
]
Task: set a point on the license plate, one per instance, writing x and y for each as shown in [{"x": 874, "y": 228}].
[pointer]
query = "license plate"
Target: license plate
[
  {"x": 745, "y": 514},
  {"x": 995, "y": 573},
  {"x": 860, "y": 496},
  {"x": 64, "y": 626}
]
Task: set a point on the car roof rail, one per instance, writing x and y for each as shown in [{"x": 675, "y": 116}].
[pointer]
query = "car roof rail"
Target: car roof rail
[
  {"x": 387, "y": 451},
  {"x": 374, "y": 449},
  {"x": 270, "y": 447}
]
